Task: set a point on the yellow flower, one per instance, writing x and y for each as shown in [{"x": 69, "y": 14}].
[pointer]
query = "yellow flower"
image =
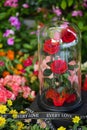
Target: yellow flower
[
  {"x": 20, "y": 125},
  {"x": 21, "y": 59},
  {"x": 61, "y": 128},
  {"x": 33, "y": 77},
  {"x": 14, "y": 113},
  {"x": 27, "y": 120},
  {"x": 1, "y": 45},
  {"x": 3, "y": 109},
  {"x": 22, "y": 112},
  {"x": 2, "y": 121},
  {"x": 9, "y": 103},
  {"x": 76, "y": 119}
]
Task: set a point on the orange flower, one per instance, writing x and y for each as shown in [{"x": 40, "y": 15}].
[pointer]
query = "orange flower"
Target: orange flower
[
  {"x": 2, "y": 53},
  {"x": 19, "y": 66},
  {"x": 10, "y": 54},
  {"x": 17, "y": 72},
  {"x": 20, "y": 53},
  {"x": 5, "y": 73}
]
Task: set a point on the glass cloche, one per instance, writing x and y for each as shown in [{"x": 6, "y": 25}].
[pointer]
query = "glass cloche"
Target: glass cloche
[{"x": 59, "y": 52}]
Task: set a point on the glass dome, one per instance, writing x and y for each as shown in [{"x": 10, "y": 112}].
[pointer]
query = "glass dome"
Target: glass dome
[{"x": 59, "y": 52}]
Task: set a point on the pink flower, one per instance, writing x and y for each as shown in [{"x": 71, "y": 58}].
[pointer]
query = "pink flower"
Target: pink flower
[
  {"x": 33, "y": 32},
  {"x": 44, "y": 63},
  {"x": 64, "y": 25},
  {"x": 36, "y": 67},
  {"x": 8, "y": 32},
  {"x": 11, "y": 3},
  {"x": 27, "y": 62},
  {"x": 33, "y": 95},
  {"x": 56, "y": 36},
  {"x": 73, "y": 77},
  {"x": 10, "y": 95},
  {"x": 85, "y": 3},
  {"x": 25, "y": 5},
  {"x": 73, "y": 62},
  {"x": 15, "y": 22},
  {"x": 11, "y": 86},
  {"x": 77, "y": 13},
  {"x": 14, "y": 80},
  {"x": 1, "y": 82},
  {"x": 3, "y": 97},
  {"x": 10, "y": 41},
  {"x": 57, "y": 11},
  {"x": 2, "y": 63},
  {"x": 26, "y": 91},
  {"x": 16, "y": 89},
  {"x": 7, "y": 79},
  {"x": 18, "y": 80}
]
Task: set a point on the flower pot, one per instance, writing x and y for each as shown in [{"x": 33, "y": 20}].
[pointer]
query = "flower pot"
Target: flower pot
[{"x": 59, "y": 51}]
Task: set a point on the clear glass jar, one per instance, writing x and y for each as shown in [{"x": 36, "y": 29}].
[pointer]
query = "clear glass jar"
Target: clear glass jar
[{"x": 59, "y": 51}]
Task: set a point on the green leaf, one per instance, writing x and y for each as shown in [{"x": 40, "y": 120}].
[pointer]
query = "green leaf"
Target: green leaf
[
  {"x": 84, "y": 128},
  {"x": 2, "y": 15},
  {"x": 75, "y": 126},
  {"x": 65, "y": 75},
  {"x": 80, "y": 24},
  {"x": 29, "y": 69},
  {"x": 70, "y": 2},
  {"x": 27, "y": 46},
  {"x": 1, "y": 35},
  {"x": 17, "y": 40},
  {"x": 63, "y": 4},
  {"x": 47, "y": 72}
]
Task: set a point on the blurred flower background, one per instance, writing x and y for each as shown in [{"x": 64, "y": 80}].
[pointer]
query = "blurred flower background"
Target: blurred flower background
[{"x": 19, "y": 24}]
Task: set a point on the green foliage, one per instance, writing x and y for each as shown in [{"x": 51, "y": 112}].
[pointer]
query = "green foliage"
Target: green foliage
[
  {"x": 63, "y": 4},
  {"x": 22, "y": 38},
  {"x": 41, "y": 11},
  {"x": 45, "y": 14},
  {"x": 47, "y": 72},
  {"x": 37, "y": 127}
]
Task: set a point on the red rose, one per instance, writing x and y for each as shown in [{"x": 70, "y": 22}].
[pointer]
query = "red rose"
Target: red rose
[
  {"x": 59, "y": 101},
  {"x": 51, "y": 94},
  {"x": 51, "y": 47},
  {"x": 85, "y": 84},
  {"x": 68, "y": 35},
  {"x": 71, "y": 98},
  {"x": 59, "y": 66}
]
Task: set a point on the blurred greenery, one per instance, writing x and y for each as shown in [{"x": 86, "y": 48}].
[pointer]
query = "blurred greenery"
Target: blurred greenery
[{"x": 46, "y": 14}]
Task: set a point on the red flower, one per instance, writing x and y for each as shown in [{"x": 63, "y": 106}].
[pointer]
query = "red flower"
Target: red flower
[
  {"x": 59, "y": 101},
  {"x": 68, "y": 35},
  {"x": 59, "y": 66},
  {"x": 27, "y": 62},
  {"x": 51, "y": 47},
  {"x": 71, "y": 98},
  {"x": 51, "y": 94},
  {"x": 85, "y": 84},
  {"x": 35, "y": 73}
]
